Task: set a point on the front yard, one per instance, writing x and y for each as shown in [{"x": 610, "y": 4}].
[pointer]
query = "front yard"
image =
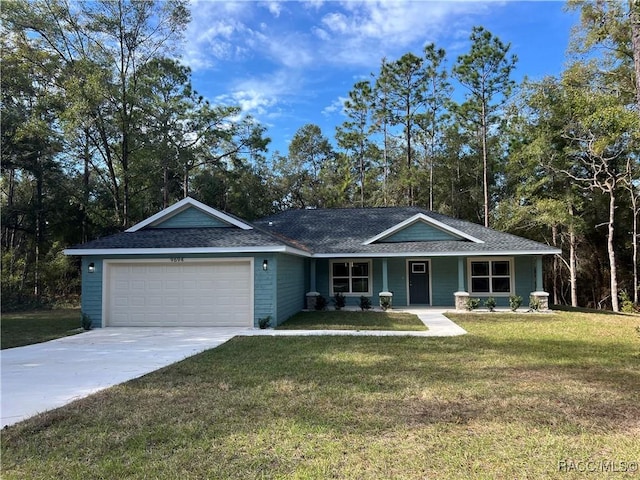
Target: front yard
[
  {"x": 520, "y": 396},
  {"x": 36, "y": 326}
]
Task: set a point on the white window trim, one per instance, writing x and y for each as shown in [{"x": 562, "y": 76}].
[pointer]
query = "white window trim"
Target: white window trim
[
  {"x": 351, "y": 260},
  {"x": 512, "y": 276}
]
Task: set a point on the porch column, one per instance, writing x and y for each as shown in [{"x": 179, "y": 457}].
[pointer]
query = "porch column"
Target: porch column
[
  {"x": 312, "y": 275},
  {"x": 461, "y": 296},
  {"x": 539, "y": 300},
  {"x": 461, "y": 274},
  {"x": 312, "y": 295},
  {"x": 385, "y": 277},
  {"x": 539, "y": 287},
  {"x": 385, "y": 296}
]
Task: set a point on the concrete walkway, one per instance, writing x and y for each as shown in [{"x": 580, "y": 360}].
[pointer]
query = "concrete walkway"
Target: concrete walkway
[
  {"x": 433, "y": 318},
  {"x": 44, "y": 376}
]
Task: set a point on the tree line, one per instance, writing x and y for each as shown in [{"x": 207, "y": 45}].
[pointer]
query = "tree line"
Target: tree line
[{"x": 101, "y": 128}]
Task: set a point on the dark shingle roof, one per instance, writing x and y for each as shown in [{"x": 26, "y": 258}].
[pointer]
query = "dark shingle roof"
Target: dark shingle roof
[
  {"x": 345, "y": 230},
  {"x": 185, "y": 238},
  {"x": 323, "y": 232}
]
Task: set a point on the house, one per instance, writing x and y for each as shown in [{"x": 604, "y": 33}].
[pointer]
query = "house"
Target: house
[{"x": 192, "y": 265}]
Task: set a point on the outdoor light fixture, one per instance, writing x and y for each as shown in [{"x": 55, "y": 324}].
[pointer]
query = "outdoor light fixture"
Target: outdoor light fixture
[
  {"x": 265, "y": 265},
  {"x": 92, "y": 267}
]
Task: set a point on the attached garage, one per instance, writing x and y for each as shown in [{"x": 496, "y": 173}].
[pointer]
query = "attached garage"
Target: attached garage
[{"x": 178, "y": 292}]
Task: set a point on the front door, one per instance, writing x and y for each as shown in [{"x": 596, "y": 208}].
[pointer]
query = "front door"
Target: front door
[{"x": 418, "y": 282}]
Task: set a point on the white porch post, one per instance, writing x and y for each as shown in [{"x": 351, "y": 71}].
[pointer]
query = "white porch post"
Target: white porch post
[
  {"x": 539, "y": 300},
  {"x": 539, "y": 286},
  {"x": 312, "y": 275},
  {"x": 385, "y": 276},
  {"x": 385, "y": 297},
  {"x": 461, "y": 296},
  {"x": 313, "y": 295}
]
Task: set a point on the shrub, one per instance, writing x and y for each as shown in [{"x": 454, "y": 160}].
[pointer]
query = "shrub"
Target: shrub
[
  {"x": 514, "y": 302},
  {"x": 534, "y": 304},
  {"x": 264, "y": 322},
  {"x": 86, "y": 322},
  {"x": 472, "y": 303},
  {"x": 339, "y": 300},
  {"x": 627, "y": 305},
  {"x": 490, "y": 303},
  {"x": 321, "y": 303},
  {"x": 365, "y": 303}
]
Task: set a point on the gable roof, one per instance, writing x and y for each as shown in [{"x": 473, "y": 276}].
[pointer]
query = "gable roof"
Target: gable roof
[
  {"x": 183, "y": 205},
  {"x": 319, "y": 233},
  {"x": 421, "y": 217},
  {"x": 360, "y": 232}
]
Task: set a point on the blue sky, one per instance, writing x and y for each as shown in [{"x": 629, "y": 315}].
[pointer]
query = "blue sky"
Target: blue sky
[{"x": 292, "y": 63}]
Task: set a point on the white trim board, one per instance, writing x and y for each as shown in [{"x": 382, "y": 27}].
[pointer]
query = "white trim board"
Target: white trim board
[
  {"x": 183, "y": 205},
  {"x": 421, "y": 217}
]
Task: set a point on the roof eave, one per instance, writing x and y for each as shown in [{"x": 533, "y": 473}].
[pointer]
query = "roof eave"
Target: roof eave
[
  {"x": 492, "y": 253},
  {"x": 185, "y": 251},
  {"x": 424, "y": 218}
]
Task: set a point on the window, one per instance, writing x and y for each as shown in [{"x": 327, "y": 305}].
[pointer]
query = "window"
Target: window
[
  {"x": 491, "y": 276},
  {"x": 351, "y": 277}
]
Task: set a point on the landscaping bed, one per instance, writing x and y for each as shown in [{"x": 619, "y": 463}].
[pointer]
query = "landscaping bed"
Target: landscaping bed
[{"x": 353, "y": 320}]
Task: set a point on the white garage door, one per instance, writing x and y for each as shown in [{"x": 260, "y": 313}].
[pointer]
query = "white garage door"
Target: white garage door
[{"x": 180, "y": 294}]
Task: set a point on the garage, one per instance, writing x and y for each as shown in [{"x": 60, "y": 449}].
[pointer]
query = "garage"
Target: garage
[{"x": 179, "y": 292}]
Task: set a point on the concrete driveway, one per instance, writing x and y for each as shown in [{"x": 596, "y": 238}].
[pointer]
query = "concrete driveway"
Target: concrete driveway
[{"x": 48, "y": 375}]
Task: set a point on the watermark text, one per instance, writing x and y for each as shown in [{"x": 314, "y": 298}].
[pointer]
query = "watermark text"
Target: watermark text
[{"x": 598, "y": 466}]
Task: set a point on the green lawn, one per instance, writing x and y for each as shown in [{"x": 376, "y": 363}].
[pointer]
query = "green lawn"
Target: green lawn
[
  {"x": 347, "y": 320},
  {"x": 520, "y": 396},
  {"x": 25, "y": 328}
]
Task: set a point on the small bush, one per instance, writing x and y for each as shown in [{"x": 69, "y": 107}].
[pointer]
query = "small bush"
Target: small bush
[
  {"x": 321, "y": 303},
  {"x": 534, "y": 304},
  {"x": 264, "y": 322},
  {"x": 365, "y": 303},
  {"x": 490, "y": 303},
  {"x": 627, "y": 305},
  {"x": 86, "y": 322},
  {"x": 514, "y": 302},
  {"x": 472, "y": 303},
  {"x": 339, "y": 301}
]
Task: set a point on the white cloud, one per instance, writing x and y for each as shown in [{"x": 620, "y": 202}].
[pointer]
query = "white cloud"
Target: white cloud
[
  {"x": 363, "y": 32},
  {"x": 336, "y": 106},
  {"x": 274, "y": 7},
  {"x": 259, "y": 95}
]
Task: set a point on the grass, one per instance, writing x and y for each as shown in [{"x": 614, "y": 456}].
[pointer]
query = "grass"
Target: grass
[
  {"x": 25, "y": 328},
  {"x": 520, "y": 396},
  {"x": 349, "y": 320}
]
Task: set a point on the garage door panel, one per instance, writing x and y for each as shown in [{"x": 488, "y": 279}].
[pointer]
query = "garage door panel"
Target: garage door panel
[{"x": 190, "y": 294}]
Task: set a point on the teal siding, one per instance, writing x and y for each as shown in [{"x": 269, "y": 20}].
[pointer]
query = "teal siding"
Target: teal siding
[
  {"x": 290, "y": 286},
  {"x": 444, "y": 280},
  {"x": 264, "y": 289},
  {"x": 524, "y": 280},
  {"x": 280, "y": 291},
  {"x": 397, "y": 277},
  {"x": 264, "y": 283},
  {"x": 525, "y": 277},
  {"x": 191, "y": 218},
  {"x": 91, "y": 301},
  {"x": 420, "y": 232}
]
